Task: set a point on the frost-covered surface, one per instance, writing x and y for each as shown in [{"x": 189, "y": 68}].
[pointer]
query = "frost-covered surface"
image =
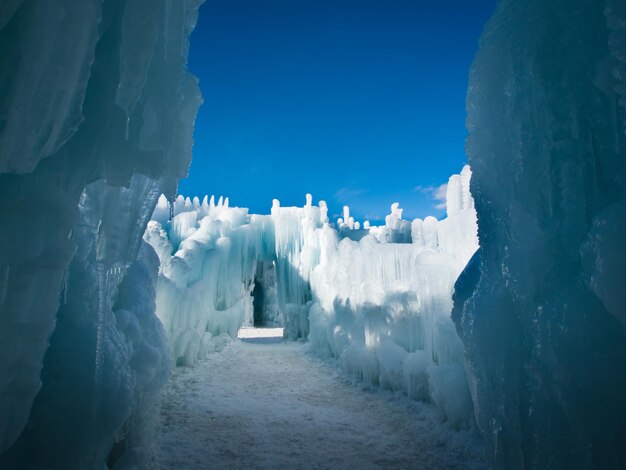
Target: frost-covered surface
[
  {"x": 381, "y": 305},
  {"x": 541, "y": 310},
  {"x": 270, "y": 406},
  {"x": 96, "y": 113}
]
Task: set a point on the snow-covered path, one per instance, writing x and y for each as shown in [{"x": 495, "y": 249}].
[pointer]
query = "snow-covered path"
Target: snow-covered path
[{"x": 273, "y": 406}]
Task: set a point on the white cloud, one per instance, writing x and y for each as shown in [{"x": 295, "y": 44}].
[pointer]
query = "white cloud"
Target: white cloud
[
  {"x": 436, "y": 193},
  {"x": 347, "y": 194},
  {"x": 373, "y": 216}
]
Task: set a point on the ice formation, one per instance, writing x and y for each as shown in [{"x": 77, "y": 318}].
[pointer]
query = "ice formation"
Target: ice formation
[
  {"x": 541, "y": 308},
  {"x": 378, "y": 299},
  {"x": 96, "y": 119}
]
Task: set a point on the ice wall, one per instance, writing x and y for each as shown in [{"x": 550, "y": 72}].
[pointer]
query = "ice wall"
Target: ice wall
[
  {"x": 541, "y": 309},
  {"x": 209, "y": 255},
  {"x": 214, "y": 257},
  {"x": 382, "y": 305},
  {"x": 298, "y": 251},
  {"x": 97, "y": 112},
  {"x": 378, "y": 299}
]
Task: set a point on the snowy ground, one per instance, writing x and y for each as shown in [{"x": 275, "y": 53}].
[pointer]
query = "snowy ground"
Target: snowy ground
[{"x": 263, "y": 403}]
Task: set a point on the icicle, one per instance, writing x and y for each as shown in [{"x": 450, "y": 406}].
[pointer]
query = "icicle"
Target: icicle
[{"x": 100, "y": 327}]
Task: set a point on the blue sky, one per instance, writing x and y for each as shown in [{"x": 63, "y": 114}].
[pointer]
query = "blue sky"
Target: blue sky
[{"x": 358, "y": 102}]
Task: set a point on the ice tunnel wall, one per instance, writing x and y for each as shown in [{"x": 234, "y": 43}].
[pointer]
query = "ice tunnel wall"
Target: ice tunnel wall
[
  {"x": 541, "y": 309},
  {"x": 96, "y": 118},
  {"x": 378, "y": 299}
]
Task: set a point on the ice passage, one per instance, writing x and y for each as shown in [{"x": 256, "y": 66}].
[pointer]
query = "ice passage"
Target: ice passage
[
  {"x": 526, "y": 340},
  {"x": 381, "y": 307}
]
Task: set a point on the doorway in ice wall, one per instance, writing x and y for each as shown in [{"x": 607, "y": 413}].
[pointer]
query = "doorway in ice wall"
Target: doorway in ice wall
[
  {"x": 258, "y": 302},
  {"x": 266, "y": 312}
]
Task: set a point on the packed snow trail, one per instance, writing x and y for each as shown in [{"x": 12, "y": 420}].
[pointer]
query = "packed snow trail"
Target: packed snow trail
[{"x": 272, "y": 405}]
